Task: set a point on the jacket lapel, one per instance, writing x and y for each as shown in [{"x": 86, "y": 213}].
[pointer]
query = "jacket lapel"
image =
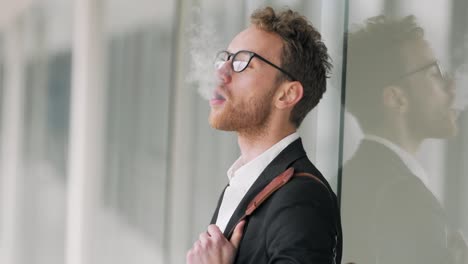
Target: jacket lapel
[
  {"x": 215, "y": 214},
  {"x": 290, "y": 154}
]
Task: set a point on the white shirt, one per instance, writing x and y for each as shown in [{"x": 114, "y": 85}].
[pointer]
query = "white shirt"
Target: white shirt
[
  {"x": 409, "y": 160},
  {"x": 242, "y": 176}
]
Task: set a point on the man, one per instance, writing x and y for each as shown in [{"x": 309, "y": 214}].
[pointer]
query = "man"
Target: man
[
  {"x": 400, "y": 97},
  {"x": 271, "y": 75}
]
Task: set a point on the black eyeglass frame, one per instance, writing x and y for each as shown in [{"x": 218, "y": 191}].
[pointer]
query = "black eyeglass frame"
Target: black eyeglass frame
[
  {"x": 232, "y": 56},
  {"x": 445, "y": 77}
]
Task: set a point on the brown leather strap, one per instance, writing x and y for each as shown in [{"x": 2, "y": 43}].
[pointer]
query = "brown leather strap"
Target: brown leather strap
[{"x": 274, "y": 185}]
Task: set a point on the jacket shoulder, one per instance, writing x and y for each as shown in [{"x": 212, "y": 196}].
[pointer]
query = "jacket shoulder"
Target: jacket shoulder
[{"x": 303, "y": 190}]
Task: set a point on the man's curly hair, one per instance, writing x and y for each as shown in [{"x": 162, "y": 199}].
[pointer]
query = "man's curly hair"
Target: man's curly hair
[
  {"x": 304, "y": 55},
  {"x": 375, "y": 60}
]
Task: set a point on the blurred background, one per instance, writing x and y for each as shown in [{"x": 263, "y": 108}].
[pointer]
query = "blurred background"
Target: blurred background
[{"x": 106, "y": 152}]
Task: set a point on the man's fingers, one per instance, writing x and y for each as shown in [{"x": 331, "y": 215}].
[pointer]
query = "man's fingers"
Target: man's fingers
[
  {"x": 213, "y": 247},
  {"x": 214, "y": 231},
  {"x": 204, "y": 238},
  {"x": 237, "y": 234}
]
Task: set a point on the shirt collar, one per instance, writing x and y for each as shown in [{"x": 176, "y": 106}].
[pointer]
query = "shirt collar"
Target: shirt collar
[
  {"x": 409, "y": 160},
  {"x": 242, "y": 175}
]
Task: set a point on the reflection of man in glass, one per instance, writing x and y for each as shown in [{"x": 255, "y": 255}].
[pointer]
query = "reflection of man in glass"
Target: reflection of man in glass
[{"x": 400, "y": 97}]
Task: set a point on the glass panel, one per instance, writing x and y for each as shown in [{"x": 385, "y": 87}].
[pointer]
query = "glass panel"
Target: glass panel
[
  {"x": 138, "y": 78},
  {"x": 323, "y": 145},
  {"x": 45, "y": 152},
  {"x": 42, "y": 186},
  {"x": 404, "y": 180},
  {"x": 2, "y": 85}
]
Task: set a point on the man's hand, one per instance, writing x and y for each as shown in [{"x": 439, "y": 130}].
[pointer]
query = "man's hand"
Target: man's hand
[{"x": 213, "y": 248}]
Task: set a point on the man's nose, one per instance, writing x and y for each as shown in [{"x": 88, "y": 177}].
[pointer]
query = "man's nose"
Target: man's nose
[{"x": 224, "y": 73}]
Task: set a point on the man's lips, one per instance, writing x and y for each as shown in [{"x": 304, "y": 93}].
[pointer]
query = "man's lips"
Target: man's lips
[{"x": 217, "y": 98}]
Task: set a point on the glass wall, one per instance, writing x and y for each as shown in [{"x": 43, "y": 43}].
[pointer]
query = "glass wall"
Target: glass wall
[
  {"x": 36, "y": 86},
  {"x": 2, "y": 84},
  {"x": 404, "y": 181},
  {"x": 131, "y": 200},
  {"x": 2, "y": 79}
]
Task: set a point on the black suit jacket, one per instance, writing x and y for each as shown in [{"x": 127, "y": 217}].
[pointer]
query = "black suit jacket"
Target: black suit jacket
[
  {"x": 299, "y": 223},
  {"x": 389, "y": 216}
]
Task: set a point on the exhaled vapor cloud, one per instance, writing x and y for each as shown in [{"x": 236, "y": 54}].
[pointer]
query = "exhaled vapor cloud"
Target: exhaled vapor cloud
[{"x": 204, "y": 44}]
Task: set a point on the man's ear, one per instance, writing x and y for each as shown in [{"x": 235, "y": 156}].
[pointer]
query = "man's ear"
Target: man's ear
[
  {"x": 395, "y": 98},
  {"x": 288, "y": 95}
]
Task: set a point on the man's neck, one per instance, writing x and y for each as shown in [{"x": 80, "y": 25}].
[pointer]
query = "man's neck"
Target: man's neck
[
  {"x": 252, "y": 145},
  {"x": 400, "y": 137}
]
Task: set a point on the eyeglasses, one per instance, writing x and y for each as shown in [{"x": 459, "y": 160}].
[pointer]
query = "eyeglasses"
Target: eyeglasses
[
  {"x": 439, "y": 73},
  {"x": 241, "y": 59}
]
